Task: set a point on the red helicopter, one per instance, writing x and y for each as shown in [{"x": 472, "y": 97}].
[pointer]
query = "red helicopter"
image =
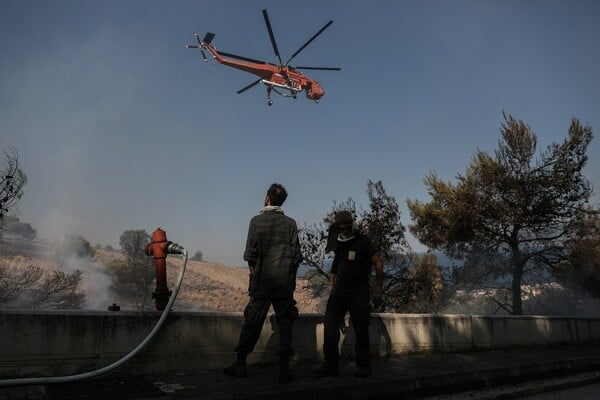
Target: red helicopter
[{"x": 274, "y": 76}]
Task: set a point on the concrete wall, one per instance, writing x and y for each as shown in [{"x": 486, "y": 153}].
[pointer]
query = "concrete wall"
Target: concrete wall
[{"x": 61, "y": 343}]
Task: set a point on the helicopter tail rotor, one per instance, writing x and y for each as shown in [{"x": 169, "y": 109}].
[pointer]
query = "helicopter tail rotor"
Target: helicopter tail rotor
[{"x": 201, "y": 43}]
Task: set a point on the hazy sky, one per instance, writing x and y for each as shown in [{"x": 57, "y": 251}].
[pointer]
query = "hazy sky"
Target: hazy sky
[{"x": 118, "y": 126}]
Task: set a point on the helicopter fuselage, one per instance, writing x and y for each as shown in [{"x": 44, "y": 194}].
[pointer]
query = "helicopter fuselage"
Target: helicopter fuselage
[{"x": 283, "y": 77}]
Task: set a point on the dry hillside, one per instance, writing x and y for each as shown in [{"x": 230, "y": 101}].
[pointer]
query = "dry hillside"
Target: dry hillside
[
  {"x": 206, "y": 286},
  {"x": 209, "y": 286}
]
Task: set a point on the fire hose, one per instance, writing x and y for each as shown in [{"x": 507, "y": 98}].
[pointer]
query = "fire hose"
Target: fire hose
[{"x": 170, "y": 248}]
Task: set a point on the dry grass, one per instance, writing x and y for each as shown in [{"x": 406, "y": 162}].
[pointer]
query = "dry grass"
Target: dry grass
[
  {"x": 216, "y": 287},
  {"x": 206, "y": 286}
]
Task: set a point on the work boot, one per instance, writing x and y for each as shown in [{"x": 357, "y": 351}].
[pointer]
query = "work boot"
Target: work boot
[
  {"x": 325, "y": 370},
  {"x": 284, "y": 375},
  {"x": 238, "y": 368},
  {"x": 362, "y": 371}
]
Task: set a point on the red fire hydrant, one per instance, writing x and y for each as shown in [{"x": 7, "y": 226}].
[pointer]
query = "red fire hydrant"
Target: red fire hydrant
[{"x": 158, "y": 248}]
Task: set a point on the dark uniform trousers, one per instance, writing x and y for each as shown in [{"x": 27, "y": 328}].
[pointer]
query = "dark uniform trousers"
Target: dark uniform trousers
[
  {"x": 353, "y": 299},
  {"x": 254, "y": 318}
]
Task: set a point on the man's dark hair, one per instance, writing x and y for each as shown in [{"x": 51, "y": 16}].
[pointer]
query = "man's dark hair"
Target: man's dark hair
[{"x": 277, "y": 194}]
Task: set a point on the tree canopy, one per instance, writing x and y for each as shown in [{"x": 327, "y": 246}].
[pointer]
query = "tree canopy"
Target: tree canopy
[
  {"x": 134, "y": 275},
  {"x": 517, "y": 208},
  {"x": 197, "y": 256},
  {"x": 75, "y": 246},
  {"x": 582, "y": 270},
  {"x": 15, "y": 228}
]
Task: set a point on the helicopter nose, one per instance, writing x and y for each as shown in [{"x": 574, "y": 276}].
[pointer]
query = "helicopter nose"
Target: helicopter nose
[{"x": 315, "y": 92}]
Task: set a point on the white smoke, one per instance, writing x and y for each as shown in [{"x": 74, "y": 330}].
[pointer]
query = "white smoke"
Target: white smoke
[{"x": 95, "y": 281}]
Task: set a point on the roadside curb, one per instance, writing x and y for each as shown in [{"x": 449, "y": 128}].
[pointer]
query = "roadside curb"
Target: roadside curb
[{"x": 439, "y": 384}]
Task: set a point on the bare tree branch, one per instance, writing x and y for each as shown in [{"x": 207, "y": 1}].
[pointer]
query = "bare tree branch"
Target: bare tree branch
[{"x": 12, "y": 181}]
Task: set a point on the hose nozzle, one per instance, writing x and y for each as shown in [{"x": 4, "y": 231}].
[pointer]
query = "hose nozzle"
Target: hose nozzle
[{"x": 174, "y": 248}]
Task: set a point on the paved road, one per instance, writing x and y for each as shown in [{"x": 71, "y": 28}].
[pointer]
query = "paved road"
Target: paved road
[
  {"x": 539, "y": 389},
  {"x": 407, "y": 377},
  {"x": 590, "y": 392}
]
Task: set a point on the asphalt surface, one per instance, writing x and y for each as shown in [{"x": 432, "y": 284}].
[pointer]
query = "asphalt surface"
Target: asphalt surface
[{"x": 416, "y": 376}]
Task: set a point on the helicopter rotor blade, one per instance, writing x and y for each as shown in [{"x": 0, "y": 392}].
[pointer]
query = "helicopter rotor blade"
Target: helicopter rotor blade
[
  {"x": 309, "y": 41},
  {"x": 321, "y": 68},
  {"x": 249, "y": 86},
  {"x": 268, "y": 23},
  {"x": 252, "y": 60}
]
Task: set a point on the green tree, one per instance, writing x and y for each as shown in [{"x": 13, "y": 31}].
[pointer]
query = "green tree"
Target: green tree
[
  {"x": 197, "y": 256},
  {"x": 408, "y": 278},
  {"x": 134, "y": 275},
  {"x": 74, "y": 246},
  {"x": 12, "y": 181},
  {"x": 416, "y": 288},
  {"x": 133, "y": 243},
  {"x": 14, "y": 227},
  {"x": 313, "y": 241},
  {"x": 582, "y": 269},
  {"x": 513, "y": 209}
]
